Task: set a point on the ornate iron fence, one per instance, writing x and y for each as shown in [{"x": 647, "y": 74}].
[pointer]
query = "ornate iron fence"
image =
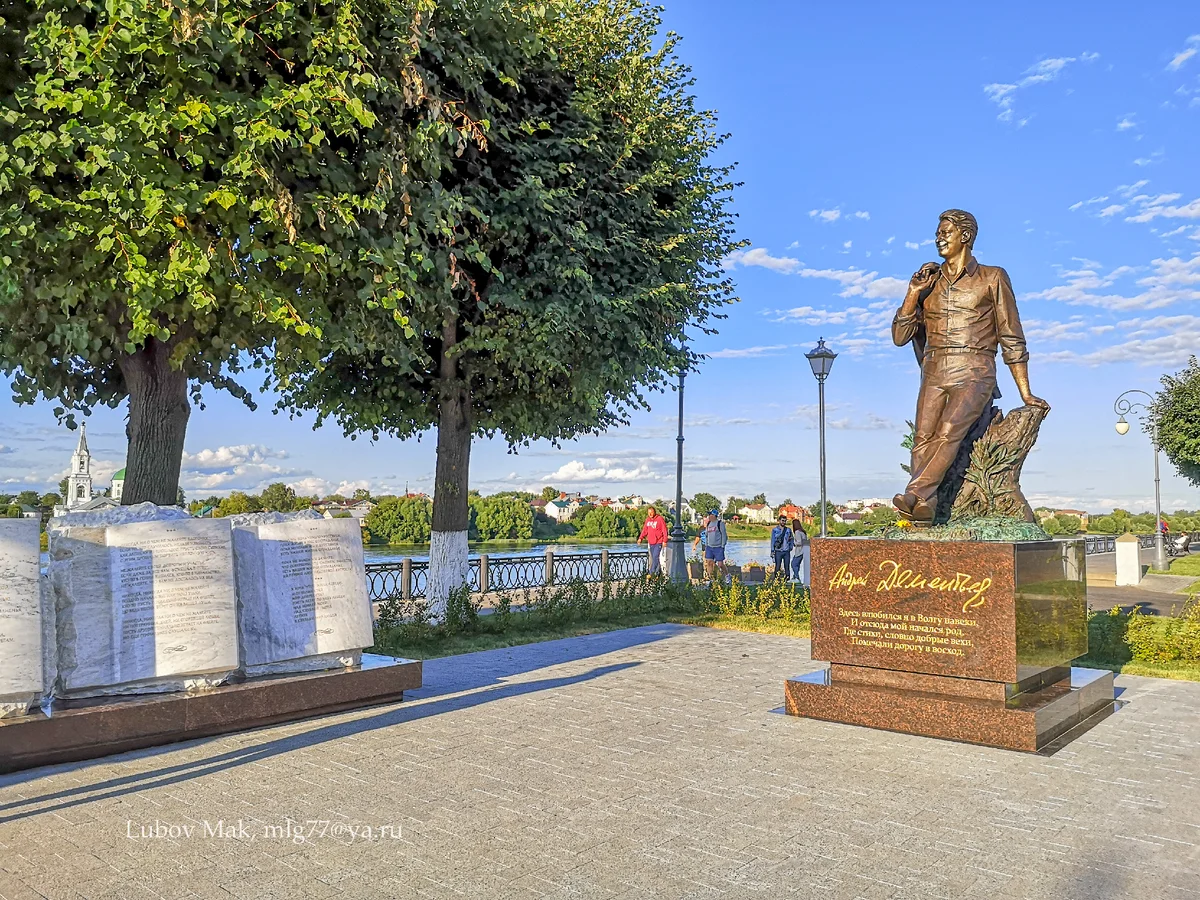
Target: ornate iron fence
[
  {"x": 408, "y": 578},
  {"x": 1107, "y": 543}
]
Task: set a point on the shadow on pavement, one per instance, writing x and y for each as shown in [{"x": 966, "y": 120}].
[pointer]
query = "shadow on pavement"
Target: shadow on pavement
[{"x": 494, "y": 666}]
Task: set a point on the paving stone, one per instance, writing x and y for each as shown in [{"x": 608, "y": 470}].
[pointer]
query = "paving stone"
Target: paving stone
[{"x": 622, "y": 765}]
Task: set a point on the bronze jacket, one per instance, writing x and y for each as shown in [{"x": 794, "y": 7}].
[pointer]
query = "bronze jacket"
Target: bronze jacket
[{"x": 975, "y": 312}]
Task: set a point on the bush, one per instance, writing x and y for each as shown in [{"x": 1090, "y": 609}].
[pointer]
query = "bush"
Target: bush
[{"x": 1117, "y": 638}]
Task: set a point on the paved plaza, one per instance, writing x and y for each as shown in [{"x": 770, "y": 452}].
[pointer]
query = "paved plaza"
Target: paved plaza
[{"x": 639, "y": 763}]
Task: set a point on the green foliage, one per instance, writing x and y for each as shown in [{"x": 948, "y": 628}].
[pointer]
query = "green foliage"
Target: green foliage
[
  {"x": 279, "y": 498},
  {"x": 238, "y": 503},
  {"x": 401, "y": 520},
  {"x": 50, "y": 500},
  {"x": 29, "y": 498},
  {"x": 1177, "y": 410},
  {"x": 601, "y": 522},
  {"x": 702, "y": 502},
  {"x": 1115, "y": 637},
  {"x": 550, "y": 493},
  {"x": 206, "y": 176},
  {"x": 502, "y": 518},
  {"x": 557, "y": 255},
  {"x": 732, "y": 505}
]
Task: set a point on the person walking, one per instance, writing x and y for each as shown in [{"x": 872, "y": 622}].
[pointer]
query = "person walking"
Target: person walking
[
  {"x": 713, "y": 536},
  {"x": 654, "y": 533},
  {"x": 800, "y": 548},
  {"x": 781, "y": 547}
]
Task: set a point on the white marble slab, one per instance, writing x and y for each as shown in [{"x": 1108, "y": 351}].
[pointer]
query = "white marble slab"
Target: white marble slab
[
  {"x": 302, "y": 594},
  {"x": 144, "y": 607},
  {"x": 21, "y": 648}
]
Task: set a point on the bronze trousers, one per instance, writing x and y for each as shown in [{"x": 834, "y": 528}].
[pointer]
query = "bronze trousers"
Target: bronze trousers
[{"x": 955, "y": 390}]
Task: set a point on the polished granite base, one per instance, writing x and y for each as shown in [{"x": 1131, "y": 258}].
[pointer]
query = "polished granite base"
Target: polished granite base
[
  {"x": 1028, "y": 716},
  {"x": 87, "y": 729}
]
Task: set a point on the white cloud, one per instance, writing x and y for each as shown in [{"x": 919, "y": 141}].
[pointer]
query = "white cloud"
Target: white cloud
[
  {"x": 862, "y": 214},
  {"x": 889, "y": 240},
  {"x": 1171, "y": 281},
  {"x": 1004, "y": 94},
  {"x": 912, "y": 245},
  {"x": 1128, "y": 190},
  {"x": 825, "y": 215},
  {"x": 748, "y": 352},
  {"x": 1184, "y": 55},
  {"x": 226, "y": 457},
  {"x": 1126, "y": 123},
  {"x": 757, "y": 256},
  {"x": 1111, "y": 210},
  {"x": 1163, "y": 206},
  {"x": 847, "y": 245},
  {"x": 1161, "y": 341},
  {"x": 604, "y": 469}
]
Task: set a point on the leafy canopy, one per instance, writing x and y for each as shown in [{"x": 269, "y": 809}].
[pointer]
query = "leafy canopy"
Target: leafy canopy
[
  {"x": 212, "y": 176},
  {"x": 561, "y": 258},
  {"x": 1177, "y": 409}
]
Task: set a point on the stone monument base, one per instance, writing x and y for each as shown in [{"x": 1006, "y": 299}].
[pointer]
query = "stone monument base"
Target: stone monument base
[
  {"x": 1025, "y": 716},
  {"x": 79, "y": 730}
]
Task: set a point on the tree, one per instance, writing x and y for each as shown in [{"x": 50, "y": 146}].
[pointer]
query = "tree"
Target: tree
[
  {"x": 504, "y": 519},
  {"x": 760, "y": 499},
  {"x": 559, "y": 255},
  {"x": 1069, "y": 524},
  {"x": 64, "y": 488},
  {"x": 50, "y": 500},
  {"x": 361, "y": 494},
  {"x": 549, "y": 493},
  {"x": 236, "y": 504},
  {"x": 703, "y": 502},
  {"x": 1051, "y": 525},
  {"x": 733, "y": 504},
  {"x": 182, "y": 184},
  {"x": 830, "y": 510},
  {"x": 602, "y": 522},
  {"x": 401, "y": 520},
  {"x": 1177, "y": 410},
  {"x": 29, "y": 498},
  {"x": 278, "y": 497}
]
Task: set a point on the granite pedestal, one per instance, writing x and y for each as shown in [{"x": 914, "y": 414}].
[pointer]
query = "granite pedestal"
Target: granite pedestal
[
  {"x": 964, "y": 640},
  {"x": 87, "y": 729}
]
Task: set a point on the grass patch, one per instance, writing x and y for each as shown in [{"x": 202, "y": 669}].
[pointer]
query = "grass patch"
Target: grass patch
[
  {"x": 799, "y": 628},
  {"x": 406, "y": 628},
  {"x": 1174, "y": 671}
]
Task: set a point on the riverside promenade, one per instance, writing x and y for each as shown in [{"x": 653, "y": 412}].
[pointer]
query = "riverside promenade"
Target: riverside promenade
[{"x": 645, "y": 762}]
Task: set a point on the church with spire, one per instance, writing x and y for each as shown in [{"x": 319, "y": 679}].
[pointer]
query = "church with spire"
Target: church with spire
[{"x": 80, "y": 495}]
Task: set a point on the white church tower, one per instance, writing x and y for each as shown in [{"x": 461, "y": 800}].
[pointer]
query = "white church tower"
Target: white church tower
[{"x": 79, "y": 482}]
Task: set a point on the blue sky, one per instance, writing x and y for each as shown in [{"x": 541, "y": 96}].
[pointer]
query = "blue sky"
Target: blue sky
[{"x": 1069, "y": 129}]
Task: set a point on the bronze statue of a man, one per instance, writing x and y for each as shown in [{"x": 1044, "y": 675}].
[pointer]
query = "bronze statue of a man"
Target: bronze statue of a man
[{"x": 956, "y": 315}]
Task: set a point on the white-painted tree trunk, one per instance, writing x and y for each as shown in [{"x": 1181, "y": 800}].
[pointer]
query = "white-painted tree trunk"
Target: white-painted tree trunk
[{"x": 448, "y": 569}]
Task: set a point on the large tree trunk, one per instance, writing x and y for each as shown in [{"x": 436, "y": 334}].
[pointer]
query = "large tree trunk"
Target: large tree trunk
[
  {"x": 448, "y": 567},
  {"x": 158, "y": 417}
]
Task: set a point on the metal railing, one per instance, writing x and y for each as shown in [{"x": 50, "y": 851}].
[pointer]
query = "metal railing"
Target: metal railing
[
  {"x": 408, "y": 578},
  {"x": 1107, "y": 543}
]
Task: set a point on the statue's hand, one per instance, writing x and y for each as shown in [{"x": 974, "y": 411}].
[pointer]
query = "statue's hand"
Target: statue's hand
[
  {"x": 923, "y": 279},
  {"x": 1031, "y": 400}
]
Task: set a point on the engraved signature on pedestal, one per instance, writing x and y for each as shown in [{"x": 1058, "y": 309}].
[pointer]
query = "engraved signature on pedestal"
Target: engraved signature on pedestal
[{"x": 897, "y": 578}]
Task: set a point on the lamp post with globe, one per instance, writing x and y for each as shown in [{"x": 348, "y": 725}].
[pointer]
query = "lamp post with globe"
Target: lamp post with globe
[
  {"x": 1122, "y": 407},
  {"x": 821, "y": 359}
]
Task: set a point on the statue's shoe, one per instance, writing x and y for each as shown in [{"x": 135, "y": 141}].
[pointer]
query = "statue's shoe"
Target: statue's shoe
[
  {"x": 904, "y": 503},
  {"x": 922, "y": 513}
]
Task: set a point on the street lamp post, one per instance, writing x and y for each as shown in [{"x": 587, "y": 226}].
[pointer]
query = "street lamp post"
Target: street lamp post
[
  {"x": 821, "y": 359},
  {"x": 1124, "y": 406},
  {"x": 678, "y": 571}
]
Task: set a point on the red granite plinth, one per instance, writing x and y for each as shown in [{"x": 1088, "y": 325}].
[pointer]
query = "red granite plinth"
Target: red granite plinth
[
  {"x": 965, "y": 640},
  {"x": 89, "y": 729},
  {"x": 1028, "y": 721}
]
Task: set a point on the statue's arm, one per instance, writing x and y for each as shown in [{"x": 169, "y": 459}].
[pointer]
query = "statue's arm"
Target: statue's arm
[
  {"x": 909, "y": 318},
  {"x": 1012, "y": 339}
]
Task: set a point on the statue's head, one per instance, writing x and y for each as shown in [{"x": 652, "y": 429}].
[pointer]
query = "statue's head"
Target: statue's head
[{"x": 955, "y": 228}]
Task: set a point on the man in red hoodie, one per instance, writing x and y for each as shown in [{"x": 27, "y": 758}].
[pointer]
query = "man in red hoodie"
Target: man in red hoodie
[{"x": 654, "y": 533}]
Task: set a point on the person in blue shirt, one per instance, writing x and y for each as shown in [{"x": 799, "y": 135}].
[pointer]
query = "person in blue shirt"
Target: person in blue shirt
[{"x": 782, "y": 543}]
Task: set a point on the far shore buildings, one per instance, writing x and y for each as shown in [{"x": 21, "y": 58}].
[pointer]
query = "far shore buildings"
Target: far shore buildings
[{"x": 757, "y": 513}]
